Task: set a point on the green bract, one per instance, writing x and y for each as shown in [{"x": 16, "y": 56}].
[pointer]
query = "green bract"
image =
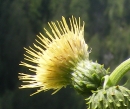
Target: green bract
[
  {"x": 116, "y": 97},
  {"x": 87, "y": 77}
]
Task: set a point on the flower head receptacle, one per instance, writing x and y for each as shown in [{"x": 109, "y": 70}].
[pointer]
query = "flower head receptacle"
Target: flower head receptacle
[{"x": 88, "y": 76}]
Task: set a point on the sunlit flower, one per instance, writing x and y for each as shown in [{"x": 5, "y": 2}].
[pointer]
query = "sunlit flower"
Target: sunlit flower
[{"x": 53, "y": 59}]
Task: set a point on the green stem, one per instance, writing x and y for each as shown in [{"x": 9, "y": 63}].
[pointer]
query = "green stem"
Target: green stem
[{"x": 118, "y": 73}]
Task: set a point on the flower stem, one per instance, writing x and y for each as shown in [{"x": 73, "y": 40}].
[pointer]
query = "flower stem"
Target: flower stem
[{"x": 118, "y": 73}]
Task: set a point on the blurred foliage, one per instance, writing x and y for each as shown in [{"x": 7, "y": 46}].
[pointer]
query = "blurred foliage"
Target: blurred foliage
[{"x": 107, "y": 32}]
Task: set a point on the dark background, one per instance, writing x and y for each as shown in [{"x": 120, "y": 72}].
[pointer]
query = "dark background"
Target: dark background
[{"x": 107, "y": 32}]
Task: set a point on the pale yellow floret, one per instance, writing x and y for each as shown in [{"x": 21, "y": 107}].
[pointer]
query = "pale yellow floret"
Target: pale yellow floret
[{"x": 55, "y": 57}]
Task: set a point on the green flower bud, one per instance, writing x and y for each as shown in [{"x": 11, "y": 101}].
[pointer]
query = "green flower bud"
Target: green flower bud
[
  {"x": 116, "y": 97},
  {"x": 87, "y": 77}
]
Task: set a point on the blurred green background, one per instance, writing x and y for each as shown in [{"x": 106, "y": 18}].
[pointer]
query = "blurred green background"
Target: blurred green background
[{"x": 107, "y": 32}]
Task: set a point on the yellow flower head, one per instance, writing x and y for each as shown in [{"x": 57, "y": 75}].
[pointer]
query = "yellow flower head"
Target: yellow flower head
[{"x": 54, "y": 58}]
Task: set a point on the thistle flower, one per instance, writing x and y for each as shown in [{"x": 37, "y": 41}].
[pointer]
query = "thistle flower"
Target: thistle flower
[
  {"x": 53, "y": 59},
  {"x": 65, "y": 60}
]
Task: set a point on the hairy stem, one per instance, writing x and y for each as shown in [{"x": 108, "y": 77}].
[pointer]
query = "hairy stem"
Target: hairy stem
[{"x": 118, "y": 73}]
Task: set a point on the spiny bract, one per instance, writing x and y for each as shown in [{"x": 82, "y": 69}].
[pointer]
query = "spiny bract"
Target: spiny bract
[{"x": 88, "y": 77}]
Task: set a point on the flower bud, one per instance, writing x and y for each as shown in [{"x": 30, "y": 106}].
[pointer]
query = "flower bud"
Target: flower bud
[{"x": 116, "y": 97}]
